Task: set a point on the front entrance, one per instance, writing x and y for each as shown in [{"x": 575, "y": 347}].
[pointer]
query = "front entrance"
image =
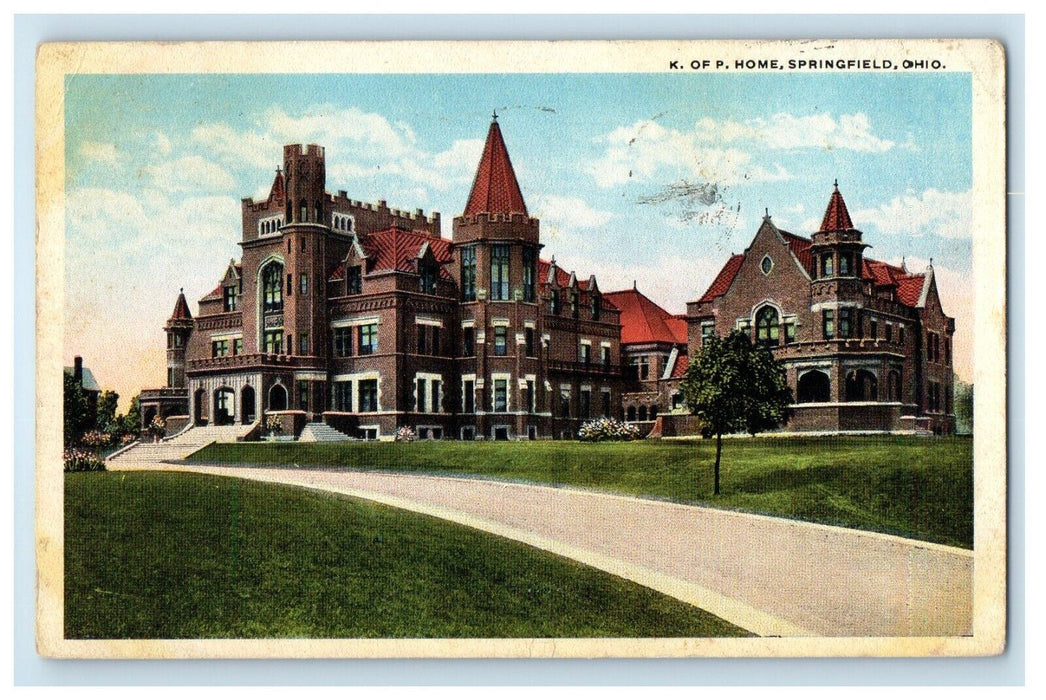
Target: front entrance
[
  {"x": 199, "y": 402},
  {"x": 224, "y": 406},
  {"x": 247, "y": 405},
  {"x": 278, "y": 398}
]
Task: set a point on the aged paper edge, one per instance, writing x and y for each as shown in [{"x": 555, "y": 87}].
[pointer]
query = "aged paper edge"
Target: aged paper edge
[{"x": 985, "y": 59}]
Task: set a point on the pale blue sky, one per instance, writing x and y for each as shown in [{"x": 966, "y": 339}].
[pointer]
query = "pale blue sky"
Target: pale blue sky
[{"x": 156, "y": 167}]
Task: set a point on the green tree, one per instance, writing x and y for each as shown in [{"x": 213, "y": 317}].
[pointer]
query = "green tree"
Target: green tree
[
  {"x": 734, "y": 386},
  {"x": 76, "y": 410},
  {"x": 107, "y": 409},
  {"x": 132, "y": 422},
  {"x": 963, "y": 407}
]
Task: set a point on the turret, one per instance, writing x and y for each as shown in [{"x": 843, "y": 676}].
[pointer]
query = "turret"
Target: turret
[
  {"x": 178, "y": 327},
  {"x": 837, "y": 247},
  {"x": 305, "y": 173}
]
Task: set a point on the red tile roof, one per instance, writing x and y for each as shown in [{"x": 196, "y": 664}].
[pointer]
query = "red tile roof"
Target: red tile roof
[
  {"x": 801, "y": 249},
  {"x": 643, "y": 321},
  {"x": 181, "y": 308},
  {"x": 724, "y": 279},
  {"x": 276, "y": 192},
  {"x": 910, "y": 288},
  {"x": 682, "y": 364},
  {"x": 397, "y": 249},
  {"x": 836, "y": 217},
  {"x": 495, "y": 189}
]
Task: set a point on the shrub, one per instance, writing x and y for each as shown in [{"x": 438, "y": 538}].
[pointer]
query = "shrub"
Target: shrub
[
  {"x": 77, "y": 460},
  {"x": 604, "y": 429},
  {"x": 273, "y": 424},
  {"x": 406, "y": 434},
  {"x": 158, "y": 426},
  {"x": 96, "y": 438}
]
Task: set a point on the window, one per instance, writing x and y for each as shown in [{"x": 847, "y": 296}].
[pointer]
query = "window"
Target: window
[
  {"x": 230, "y": 298},
  {"x": 420, "y": 389},
  {"x": 900, "y": 334},
  {"x": 500, "y": 340},
  {"x": 468, "y": 432},
  {"x": 290, "y": 283},
  {"x": 237, "y": 346},
  {"x": 468, "y": 341},
  {"x": 528, "y": 340},
  {"x": 586, "y": 403},
  {"x": 303, "y": 396},
  {"x": 889, "y": 332},
  {"x": 529, "y": 274},
  {"x": 586, "y": 353},
  {"x": 427, "y": 283},
  {"x": 304, "y": 280},
  {"x": 500, "y": 395},
  {"x": 354, "y": 280},
  {"x": 529, "y": 396},
  {"x": 789, "y": 331},
  {"x": 828, "y": 323},
  {"x": 642, "y": 365},
  {"x": 219, "y": 348},
  {"x": 606, "y": 403},
  {"x": 827, "y": 266},
  {"x": 766, "y": 265},
  {"x": 873, "y": 329},
  {"x": 303, "y": 343},
  {"x": 553, "y": 302},
  {"x": 304, "y": 247},
  {"x": 468, "y": 273},
  {"x": 499, "y": 272},
  {"x": 341, "y": 399},
  {"x": 677, "y": 401},
  {"x": 936, "y": 348},
  {"x": 845, "y": 263},
  {"x": 604, "y": 352},
  {"x": 767, "y": 328},
  {"x": 707, "y": 331},
  {"x": 274, "y": 342},
  {"x": 597, "y": 306},
  {"x": 564, "y": 403},
  {"x": 846, "y": 323},
  {"x": 947, "y": 351},
  {"x": 437, "y": 387},
  {"x": 468, "y": 396},
  {"x": 342, "y": 342},
  {"x": 422, "y": 333},
  {"x": 170, "y": 376},
  {"x": 929, "y": 346},
  {"x": 368, "y": 339},
  {"x": 272, "y": 287},
  {"x": 290, "y": 343},
  {"x": 368, "y": 395},
  {"x": 573, "y": 304},
  {"x": 434, "y": 340}
]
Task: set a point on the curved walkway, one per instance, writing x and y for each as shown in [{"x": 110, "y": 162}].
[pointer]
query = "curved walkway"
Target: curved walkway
[{"x": 771, "y": 576}]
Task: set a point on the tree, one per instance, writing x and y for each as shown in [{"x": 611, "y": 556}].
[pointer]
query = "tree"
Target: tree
[
  {"x": 733, "y": 386},
  {"x": 132, "y": 422},
  {"x": 963, "y": 408},
  {"x": 76, "y": 410},
  {"x": 107, "y": 409}
]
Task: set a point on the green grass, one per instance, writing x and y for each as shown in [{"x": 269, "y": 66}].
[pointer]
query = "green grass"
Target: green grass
[
  {"x": 914, "y": 487},
  {"x": 169, "y": 555}
]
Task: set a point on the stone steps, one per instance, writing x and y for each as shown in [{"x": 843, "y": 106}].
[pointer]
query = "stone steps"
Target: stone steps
[
  {"x": 181, "y": 445},
  {"x": 321, "y": 432}
]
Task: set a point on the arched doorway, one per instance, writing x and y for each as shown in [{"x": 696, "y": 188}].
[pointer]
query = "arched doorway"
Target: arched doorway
[
  {"x": 814, "y": 387},
  {"x": 861, "y": 385},
  {"x": 247, "y": 405},
  {"x": 277, "y": 398},
  {"x": 147, "y": 416},
  {"x": 224, "y": 406},
  {"x": 199, "y": 403}
]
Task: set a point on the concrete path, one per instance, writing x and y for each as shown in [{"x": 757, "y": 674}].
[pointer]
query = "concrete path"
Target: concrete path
[{"x": 771, "y": 576}]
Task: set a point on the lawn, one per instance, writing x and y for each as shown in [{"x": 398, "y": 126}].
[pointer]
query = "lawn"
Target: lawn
[
  {"x": 909, "y": 486},
  {"x": 169, "y": 555}
]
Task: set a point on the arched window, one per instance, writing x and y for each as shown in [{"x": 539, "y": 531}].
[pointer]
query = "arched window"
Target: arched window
[
  {"x": 272, "y": 287},
  {"x": 631, "y": 413},
  {"x": 861, "y": 385},
  {"x": 768, "y": 328},
  {"x": 814, "y": 387},
  {"x": 642, "y": 413}
]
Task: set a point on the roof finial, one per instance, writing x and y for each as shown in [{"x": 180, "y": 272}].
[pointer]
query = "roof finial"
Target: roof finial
[
  {"x": 634, "y": 286},
  {"x": 495, "y": 115},
  {"x": 181, "y": 290},
  {"x": 767, "y": 210},
  {"x": 278, "y": 170},
  {"x": 836, "y": 184}
]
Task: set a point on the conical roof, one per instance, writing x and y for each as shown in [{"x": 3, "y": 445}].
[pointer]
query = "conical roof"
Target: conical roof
[
  {"x": 495, "y": 189},
  {"x": 181, "y": 309},
  {"x": 836, "y": 217},
  {"x": 276, "y": 191}
]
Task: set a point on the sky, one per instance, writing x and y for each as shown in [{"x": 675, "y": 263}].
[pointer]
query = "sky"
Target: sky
[{"x": 653, "y": 178}]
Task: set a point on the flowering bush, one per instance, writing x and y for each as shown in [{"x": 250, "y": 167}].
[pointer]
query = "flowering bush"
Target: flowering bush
[
  {"x": 157, "y": 426},
  {"x": 77, "y": 460},
  {"x": 602, "y": 429},
  {"x": 273, "y": 424},
  {"x": 405, "y": 434},
  {"x": 127, "y": 439},
  {"x": 96, "y": 438}
]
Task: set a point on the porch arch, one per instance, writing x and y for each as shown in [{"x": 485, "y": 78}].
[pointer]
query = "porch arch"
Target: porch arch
[{"x": 814, "y": 387}]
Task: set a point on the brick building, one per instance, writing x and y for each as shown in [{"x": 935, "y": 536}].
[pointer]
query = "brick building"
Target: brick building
[
  {"x": 866, "y": 345},
  {"x": 365, "y": 318}
]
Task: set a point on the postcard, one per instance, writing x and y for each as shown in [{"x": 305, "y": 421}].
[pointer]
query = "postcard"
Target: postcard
[{"x": 521, "y": 349}]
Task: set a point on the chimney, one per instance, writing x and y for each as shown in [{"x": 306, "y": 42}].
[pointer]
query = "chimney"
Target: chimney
[{"x": 78, "y": 369}]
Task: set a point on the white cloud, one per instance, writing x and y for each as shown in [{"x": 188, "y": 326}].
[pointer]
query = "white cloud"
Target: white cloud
[
  {"x": 99, "y": 152},
  {"x": 720, "y": 151},
  {"x": 190, "y": 173},
  {"x": 569, "y": 212},
  {"x": 932, "y": 213},
  {"x": 161, "y": 143},
  {"x": 239, "y": 148}
]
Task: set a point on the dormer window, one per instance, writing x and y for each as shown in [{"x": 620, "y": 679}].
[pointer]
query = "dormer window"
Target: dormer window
[
  {"x": 427, "y": 283},
  {"x": 354, "y": 280},
  {"x": 597, "y": 305},
  {"x": 573, "y": 304},
  {"x": 230, "y": 298},
  {"x": 553, "y": 302}
]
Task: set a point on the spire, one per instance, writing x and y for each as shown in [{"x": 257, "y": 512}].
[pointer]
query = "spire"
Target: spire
[
  {"x": 277, "y": 192},
  {"x": 181, "y": 308},
  {"x": 495, "y": 189},
  {"x": 836, "y": 217}
]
